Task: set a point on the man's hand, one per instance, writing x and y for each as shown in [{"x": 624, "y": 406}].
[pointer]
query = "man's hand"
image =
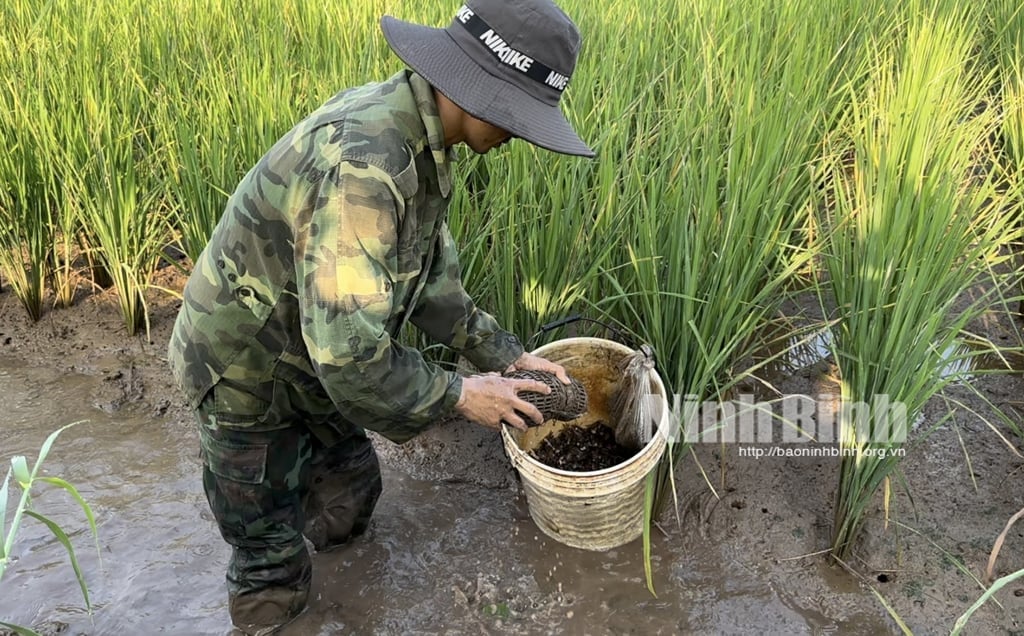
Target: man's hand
[
  {"x": 530, "y": 362},
  {"x": 488, "y": 399}
]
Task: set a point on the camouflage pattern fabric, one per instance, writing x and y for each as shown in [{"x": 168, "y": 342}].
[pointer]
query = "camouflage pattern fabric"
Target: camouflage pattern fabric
[
  {"x": 327, "y": 247},
  {"x": 285, "y": 343},
  {"x": 267, "y": 489}
]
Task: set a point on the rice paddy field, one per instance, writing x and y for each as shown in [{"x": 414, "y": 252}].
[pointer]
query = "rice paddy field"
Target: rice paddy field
[{"x": 772, "y": 176}]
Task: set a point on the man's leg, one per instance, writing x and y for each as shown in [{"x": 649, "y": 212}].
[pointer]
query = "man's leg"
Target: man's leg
[
  {"x": 344, "y": 486},
  {"x": 255, "y": 482}
]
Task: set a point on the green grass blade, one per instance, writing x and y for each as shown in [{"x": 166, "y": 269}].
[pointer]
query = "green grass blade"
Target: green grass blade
[
  {"x": 3, "y": 512},
  {"x": 44, "y": 450},
  {"x": 21, "y": 473},
  {"x": 18, "y": 629},
  {"x": 60, "y": 483},
  {"x": 892, "y": 612},
  {"x": 61, "y": 536},
  {"x": 649, "y": 492},
  {"x": 951, "y": 558},
  {"x": 997, "y": 585}
]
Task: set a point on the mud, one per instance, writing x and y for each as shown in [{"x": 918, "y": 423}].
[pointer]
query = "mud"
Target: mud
[
  {"x": 581, "y": 449},
  {"x": 452, "y": 548}
]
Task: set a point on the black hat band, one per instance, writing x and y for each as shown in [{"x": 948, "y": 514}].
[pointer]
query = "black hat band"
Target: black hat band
[{"x": 510, "y": 57}]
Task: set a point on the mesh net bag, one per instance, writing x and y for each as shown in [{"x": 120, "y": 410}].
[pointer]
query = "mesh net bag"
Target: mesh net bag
[
  {"x": 630, "y": 408},
  {"x": 565, "y": 402}
]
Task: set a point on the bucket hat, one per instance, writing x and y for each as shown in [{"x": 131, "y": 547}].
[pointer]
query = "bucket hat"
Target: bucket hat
[{"x": 506, "y": 62}]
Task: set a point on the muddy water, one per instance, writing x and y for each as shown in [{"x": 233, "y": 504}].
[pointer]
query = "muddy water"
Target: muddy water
[
  {"x": 158, "y": 565},
  {"x": 440, "y": 557}
]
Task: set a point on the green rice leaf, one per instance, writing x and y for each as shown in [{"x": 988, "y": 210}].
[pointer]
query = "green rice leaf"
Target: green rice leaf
[
  {"x": 60, "y": 483},
  {"x": 21, "y": 472},
  {"x": 62, "y": 537},
  {"x": 19, "y": 630},
  {"x": 44, "y": 450},
  {"x": 997, "y": 585},
  {"x": 70, "y": 489},
  {"x": 649, "y": 491},
  {"x": 892, "y": 612},
  {"x": 3, "y": 511}
]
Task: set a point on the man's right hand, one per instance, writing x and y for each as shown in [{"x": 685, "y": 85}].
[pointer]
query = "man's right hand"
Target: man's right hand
[{"x": 490, "y": 398}]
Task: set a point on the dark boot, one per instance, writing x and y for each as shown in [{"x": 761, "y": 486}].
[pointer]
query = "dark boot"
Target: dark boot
[{"x": 264, "y": 612}]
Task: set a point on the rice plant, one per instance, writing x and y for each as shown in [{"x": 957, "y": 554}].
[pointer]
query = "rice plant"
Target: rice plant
[
  {"x": 532, "y": 248},
  {"x": 719, "y": 173},
  {"x": 26, "y": 223},
  {"x": 109, "y": 162},
  {"x": 220, "y": 98},
  {"x": 27, "y": 183},
  {"x": 916, "y": 218},
  {"x": 1005, "y": 37},
  {"x": 26, "y": 479},
  {"x": 1005, "y": 31}
]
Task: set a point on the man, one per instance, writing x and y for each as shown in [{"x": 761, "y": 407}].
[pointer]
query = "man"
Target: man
[{"x": 286, "y": 341}]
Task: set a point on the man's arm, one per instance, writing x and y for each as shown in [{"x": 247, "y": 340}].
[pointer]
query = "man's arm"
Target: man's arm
[
  {"x": 345, "y": 263},
  {"x": 447, "y": 314},
  {"x": 344, "y": 273}
]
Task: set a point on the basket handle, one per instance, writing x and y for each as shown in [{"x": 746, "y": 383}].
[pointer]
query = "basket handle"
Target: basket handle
[{"x": 561, "y": 322}]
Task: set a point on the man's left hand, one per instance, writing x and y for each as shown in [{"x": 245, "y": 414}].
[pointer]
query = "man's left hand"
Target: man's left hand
[{"x": 530, "y": 362}]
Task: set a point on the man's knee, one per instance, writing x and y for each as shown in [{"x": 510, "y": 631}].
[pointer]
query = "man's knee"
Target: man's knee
[
  {"x": 344, "y": 489},
  {"x": 253, "y": 483}
]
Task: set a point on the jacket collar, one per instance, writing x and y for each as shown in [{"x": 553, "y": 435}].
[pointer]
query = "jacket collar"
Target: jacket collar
[{"x": 426, "y": 104}]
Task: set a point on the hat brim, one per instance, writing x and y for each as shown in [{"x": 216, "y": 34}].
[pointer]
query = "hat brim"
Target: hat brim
[{"x": 433, "y": 54}]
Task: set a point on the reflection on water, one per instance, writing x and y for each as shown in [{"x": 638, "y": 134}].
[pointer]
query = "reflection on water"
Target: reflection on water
[
  {"x": 965, "y": 361},
  {"x": 440, "y": 556},
  {"x": 789, "y": 354},
  {"x": 803, "y": 351}
]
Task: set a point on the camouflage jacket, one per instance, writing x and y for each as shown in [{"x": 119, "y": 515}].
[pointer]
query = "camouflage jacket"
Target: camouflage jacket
[{"x": 328, "y": 245}]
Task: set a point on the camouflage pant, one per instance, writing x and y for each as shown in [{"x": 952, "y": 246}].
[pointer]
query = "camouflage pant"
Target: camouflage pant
[{"x": 268, "y": 488}]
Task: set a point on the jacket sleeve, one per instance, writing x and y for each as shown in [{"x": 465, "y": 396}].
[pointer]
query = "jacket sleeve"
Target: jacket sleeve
[
  {"x": 345, "y": 264},
  {"x": 447, "y": 314}
]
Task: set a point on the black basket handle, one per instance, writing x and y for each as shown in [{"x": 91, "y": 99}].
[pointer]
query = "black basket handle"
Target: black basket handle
[{"x": 619, "y": 335}]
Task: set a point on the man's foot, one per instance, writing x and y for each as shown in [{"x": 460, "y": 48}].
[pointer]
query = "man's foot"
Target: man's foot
[
  {"x": 262, "y": 630},
  {"x": 267, "y": 611}
]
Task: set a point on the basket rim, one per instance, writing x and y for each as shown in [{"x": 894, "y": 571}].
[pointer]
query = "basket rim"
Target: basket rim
[
  {"x": 523, "y": 455},
  {"x": 641, "y": 454}
]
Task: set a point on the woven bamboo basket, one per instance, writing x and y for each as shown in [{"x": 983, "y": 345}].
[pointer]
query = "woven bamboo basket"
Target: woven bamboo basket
[{"x": 597, "y": 510}]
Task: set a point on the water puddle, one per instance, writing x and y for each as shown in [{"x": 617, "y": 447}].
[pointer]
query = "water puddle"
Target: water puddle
[
  {"x": 157, "y": 565},
  {"x": 964, "y": 360},
  {"x": 440, "y": 556}
]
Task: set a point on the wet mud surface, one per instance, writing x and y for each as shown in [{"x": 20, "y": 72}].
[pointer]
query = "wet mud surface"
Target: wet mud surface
[{"x": 452, "y": 548}]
